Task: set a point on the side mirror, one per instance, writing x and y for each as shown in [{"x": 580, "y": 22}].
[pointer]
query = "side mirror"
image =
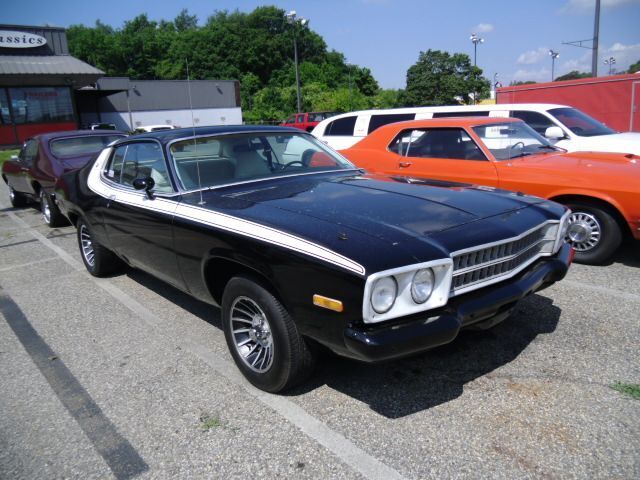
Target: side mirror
[
  {"x": 554, "y": 133},
  {"x": 145, "y": 184}
]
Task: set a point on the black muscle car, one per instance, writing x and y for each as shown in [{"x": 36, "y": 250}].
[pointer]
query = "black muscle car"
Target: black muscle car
[
  {"x": 301, "y": 248},
  {"x": 31, "y": 175}
]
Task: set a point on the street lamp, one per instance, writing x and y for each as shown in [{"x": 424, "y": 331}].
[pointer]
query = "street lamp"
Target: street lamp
[
  {"x": 611, "y": 61},
  {"x": 476, "y": 40},
  {"x": 553, "y": 55},
  {"x": 296, "y": 22}
]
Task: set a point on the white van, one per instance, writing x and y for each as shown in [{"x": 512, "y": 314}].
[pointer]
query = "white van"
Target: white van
[{"x": 563, "y": 126}]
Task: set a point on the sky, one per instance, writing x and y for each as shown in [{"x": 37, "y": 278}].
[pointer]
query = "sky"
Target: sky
[{"x": 387, "y": 36}]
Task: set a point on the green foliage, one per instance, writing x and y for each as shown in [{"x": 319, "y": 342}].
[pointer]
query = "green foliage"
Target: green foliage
[
  {"x": 634, "y": 67},
  {"x": 572, "y": 75},
  {"x": 633, "y": 390},
  {"x": 439, "y": 78},
  {"x": 520, "y": 82}
]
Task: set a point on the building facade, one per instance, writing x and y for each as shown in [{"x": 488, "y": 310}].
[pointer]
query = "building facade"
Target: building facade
[{"x": 44, "y": 89}]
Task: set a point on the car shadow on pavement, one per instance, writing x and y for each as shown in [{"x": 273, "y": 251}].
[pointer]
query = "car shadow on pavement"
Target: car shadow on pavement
[
  {"x": 402, "y": 387},
  {"x": 628, "y": 254}
]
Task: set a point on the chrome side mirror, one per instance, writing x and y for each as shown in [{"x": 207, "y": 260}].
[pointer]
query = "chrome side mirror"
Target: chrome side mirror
[{"x": 554, "y": 133}]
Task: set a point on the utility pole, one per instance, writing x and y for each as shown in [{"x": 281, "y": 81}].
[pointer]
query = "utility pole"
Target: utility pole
[{"x": 596, "y": 32}]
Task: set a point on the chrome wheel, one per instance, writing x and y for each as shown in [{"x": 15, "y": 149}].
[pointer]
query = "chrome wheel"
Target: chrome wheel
[
  {"x": 585, "y": 232},
  {"x": 251, "y": 334},
  {"x": 45, "y": 208},
  {"x": 12, "y": 194},
  {"x": 87, "y": 246}
]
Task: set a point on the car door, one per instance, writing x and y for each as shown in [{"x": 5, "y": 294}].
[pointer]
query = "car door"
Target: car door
[
  {"x": 140, "y": 226},
  {"x": 440, "y": 153}
]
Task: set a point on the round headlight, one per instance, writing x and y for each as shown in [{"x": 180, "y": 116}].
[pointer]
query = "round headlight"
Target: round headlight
[
  {"x": 422, "y": 285},
  {"x": 383, "y": 294}
]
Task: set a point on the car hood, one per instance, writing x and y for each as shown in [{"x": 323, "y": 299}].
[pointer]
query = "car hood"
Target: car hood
[
  {"x": 591, "y": 164},
  {"x": 628, "y": 142},
  {"x": 354, "y": 214}
]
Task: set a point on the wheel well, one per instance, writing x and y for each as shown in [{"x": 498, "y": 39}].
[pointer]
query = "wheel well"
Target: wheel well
[
  {"x": 36, "y": 187},
  {"x": 596, "y": 202},
  {"x": 218, "y": 272},
  {"x": 73, "y": 218}
]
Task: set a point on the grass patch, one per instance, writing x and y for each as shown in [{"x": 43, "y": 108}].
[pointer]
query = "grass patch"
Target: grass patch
[
  {"x": 6, "y": 155},
  {"x": 208, "y": 422},
  {"x": 628, "y": 389}
]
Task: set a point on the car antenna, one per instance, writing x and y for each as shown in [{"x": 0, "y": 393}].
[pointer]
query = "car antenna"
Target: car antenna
[{"x": 193, "y": 129}]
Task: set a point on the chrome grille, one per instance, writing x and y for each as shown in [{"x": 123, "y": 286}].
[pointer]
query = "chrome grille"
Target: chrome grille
[{"x": 473, "y": 268}]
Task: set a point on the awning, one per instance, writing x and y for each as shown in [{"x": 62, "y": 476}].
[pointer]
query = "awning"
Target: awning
[{"x": 46, "y": 70}]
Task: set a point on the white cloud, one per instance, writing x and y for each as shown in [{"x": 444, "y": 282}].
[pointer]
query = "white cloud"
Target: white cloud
[
  {"x": 540, "y": 75},
  {"x": 533, "y": 56},
  {"x": 582, "y": 6},
  {"x": 482, "y": 28}
]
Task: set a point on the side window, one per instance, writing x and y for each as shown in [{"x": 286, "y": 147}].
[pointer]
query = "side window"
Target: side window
[
  {"x": 29, "y": 153},
  {"x": 535, "y": 120},
  {"x": 378, "y": 121},
  {"x": 300, "y": 119},
  {"x": 473, "y": 113},
  {"x": 290, "y": 120},
  {"x": 451, "y": 143},
  {"x": 341, "y": 126},
  {"x": 139, "y": 160}
]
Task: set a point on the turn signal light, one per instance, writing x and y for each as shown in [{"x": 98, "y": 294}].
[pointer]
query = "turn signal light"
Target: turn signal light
[{"x": 328, "y": 303}]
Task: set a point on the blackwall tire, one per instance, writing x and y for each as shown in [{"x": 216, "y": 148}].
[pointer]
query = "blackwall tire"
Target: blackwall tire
[
  {"x": 98, "y": 260},
  {"x": 262, "y": 337},
  {"x": 593, "y": 232}
]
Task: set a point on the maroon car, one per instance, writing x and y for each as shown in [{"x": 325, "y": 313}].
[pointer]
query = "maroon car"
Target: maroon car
[{"x": 32, "y": 174}]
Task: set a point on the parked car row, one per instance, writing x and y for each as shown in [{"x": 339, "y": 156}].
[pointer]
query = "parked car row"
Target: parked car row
[{"x": 301, "y": 248}]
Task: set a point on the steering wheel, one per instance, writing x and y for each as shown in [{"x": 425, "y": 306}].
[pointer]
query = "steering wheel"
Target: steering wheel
[
  {"x": 297, "y": 162},
  {"x": 518, "y": 143}
]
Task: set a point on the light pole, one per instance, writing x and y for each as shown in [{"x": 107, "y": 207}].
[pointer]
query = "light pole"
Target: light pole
[
  {"x": 296, "y": 22},
  {"x": 476, "y": 40},
  {"x": 553, "y": 56},
  {"x": 611, "y": 61}
]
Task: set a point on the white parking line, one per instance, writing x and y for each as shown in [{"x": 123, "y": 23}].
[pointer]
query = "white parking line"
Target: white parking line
[{"x": 344, "y": 449}]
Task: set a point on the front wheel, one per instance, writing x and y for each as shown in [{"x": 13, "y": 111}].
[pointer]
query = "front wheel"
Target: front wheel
[
  {"x": 17, "y": 199},
  {"x": 593, "y": 233},
  {"x": 98, "y": 260},
  {"x": 263, "y": 338}
]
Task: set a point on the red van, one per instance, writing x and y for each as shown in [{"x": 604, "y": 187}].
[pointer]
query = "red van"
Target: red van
[{"x": 308, "y": 120}]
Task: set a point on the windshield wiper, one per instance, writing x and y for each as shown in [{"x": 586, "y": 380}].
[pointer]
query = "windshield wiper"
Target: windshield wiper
[{"x": 548, "y": 147}]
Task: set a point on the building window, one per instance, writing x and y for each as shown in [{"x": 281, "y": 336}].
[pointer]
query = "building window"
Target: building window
[
  {"x": 5, "y": 114},
  {"x": 41, "y": 104}
]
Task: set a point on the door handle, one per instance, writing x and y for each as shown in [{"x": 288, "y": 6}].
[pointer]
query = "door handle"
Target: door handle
[{"x": 404, "y": 164}]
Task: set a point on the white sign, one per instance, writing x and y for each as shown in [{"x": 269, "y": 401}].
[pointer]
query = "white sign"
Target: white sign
[{"x": 10, "y": 39}]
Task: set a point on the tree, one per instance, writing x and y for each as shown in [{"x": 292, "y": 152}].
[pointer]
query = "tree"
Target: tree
[
  {"x": 634, "y": 67},
  {"x": 184, "y": 21},
  {"x": 438, "y": 78},
  {"x": 515, "y": 83},
  {"x": 572, "y": 75}
]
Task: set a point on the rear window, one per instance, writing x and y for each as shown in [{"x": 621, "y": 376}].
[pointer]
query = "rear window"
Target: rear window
[
  {"x": 77, "y": 146},
  {"x": 378, "y": 121},
  {"x": 341, "y": 126}
]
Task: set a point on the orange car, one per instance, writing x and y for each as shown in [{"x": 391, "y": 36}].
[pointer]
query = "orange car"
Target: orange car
[{"x": 602, "y": 189}]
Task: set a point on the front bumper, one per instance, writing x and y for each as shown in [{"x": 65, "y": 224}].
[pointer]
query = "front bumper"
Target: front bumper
[{"x": 421, "y": 332}]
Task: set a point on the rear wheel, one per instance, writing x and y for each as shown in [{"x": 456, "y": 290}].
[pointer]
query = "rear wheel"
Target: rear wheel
[
  {"x": 593, "y": 233},
  {"x": 263, "y": 338},
  {"x": 17, "y": 199},
  {"x": 50, "y": 212},
  {"x": 98, "y": 260}
]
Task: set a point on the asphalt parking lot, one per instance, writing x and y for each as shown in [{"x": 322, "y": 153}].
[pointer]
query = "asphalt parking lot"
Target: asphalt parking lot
[{"x": 127, "y": 377}]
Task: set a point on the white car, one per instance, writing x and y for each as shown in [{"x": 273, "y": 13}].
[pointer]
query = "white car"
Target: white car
[{"x": 565, "y": 127}]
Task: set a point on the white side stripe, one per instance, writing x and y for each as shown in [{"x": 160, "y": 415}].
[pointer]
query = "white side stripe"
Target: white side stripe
[{"x": 216, "y": 219}]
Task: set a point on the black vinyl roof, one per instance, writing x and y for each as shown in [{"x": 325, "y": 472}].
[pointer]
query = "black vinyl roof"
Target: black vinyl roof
[{"x": 166, "y": 136}]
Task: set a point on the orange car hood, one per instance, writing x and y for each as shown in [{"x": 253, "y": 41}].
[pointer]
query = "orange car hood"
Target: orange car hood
[{"x": 596, "y": 164}]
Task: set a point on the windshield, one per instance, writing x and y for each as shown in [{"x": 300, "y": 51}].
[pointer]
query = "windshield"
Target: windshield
[
  {"x": 224, "y": 159},
  {"x": 580, "y": 123},
  {"x": 512, "y": 139},
  {"x": 78, "y": 146}
]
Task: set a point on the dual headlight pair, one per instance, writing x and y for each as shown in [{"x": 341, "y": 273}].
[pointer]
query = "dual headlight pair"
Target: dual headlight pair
[{"x": 385, "y": 290}]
